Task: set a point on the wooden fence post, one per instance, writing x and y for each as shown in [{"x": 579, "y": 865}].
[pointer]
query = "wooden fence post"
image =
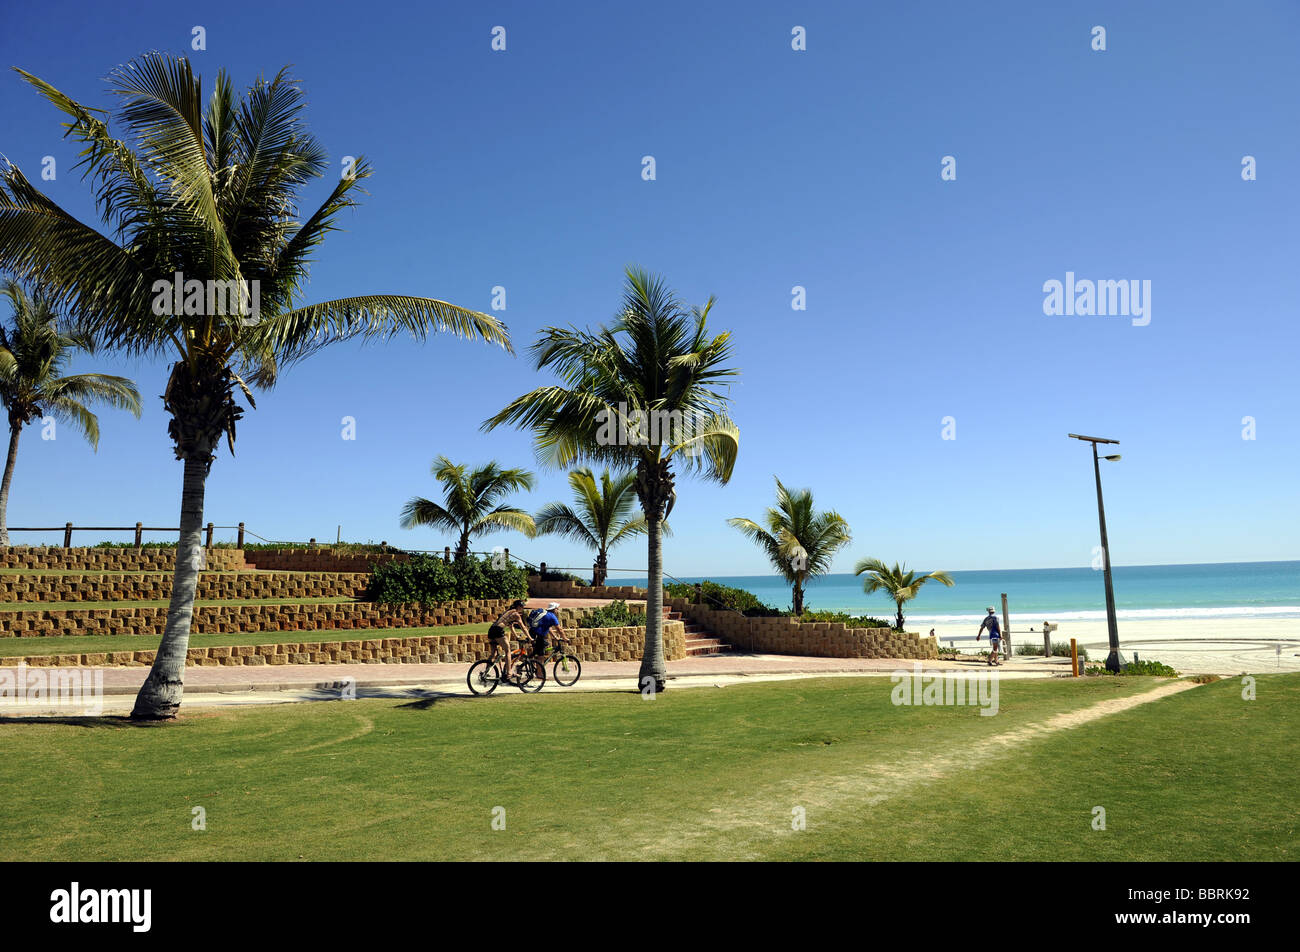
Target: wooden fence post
[
  {"x": 67, "y": 535},
  {"x": 139, "y": 534},
  {"x": 240, "y": 543},
  {"x": 208, "y": 541},
  {"x": 1074, "y": 657},
  {"x": 1006, "y": 629}
]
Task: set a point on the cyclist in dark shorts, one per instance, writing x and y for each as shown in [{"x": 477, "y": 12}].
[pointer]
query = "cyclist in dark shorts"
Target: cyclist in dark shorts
[{"x": 499, "y": 633}]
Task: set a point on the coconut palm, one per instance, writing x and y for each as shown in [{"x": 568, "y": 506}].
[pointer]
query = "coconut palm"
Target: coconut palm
[
  {"x": 603, "y": 517},
  {"x": 639, "y": 394},
  {"x": 468, "y": 507},
  {"x": 798, "y": 540},
  {"x": 208, "y": 266},
  {"x": 33, "y": 356},
  {"x": 897, "y": 582}
]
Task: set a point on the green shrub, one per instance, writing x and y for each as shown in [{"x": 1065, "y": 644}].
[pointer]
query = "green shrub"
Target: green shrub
[
  {"x": 614, "y": 615},
  {"x": 1139, "y": 669},
  {"x": 850, "y": 621},
  {"x": 1060, "y": 649},
  {"x": 724, "y": 596},
  {"x": 427, "y": 578}
]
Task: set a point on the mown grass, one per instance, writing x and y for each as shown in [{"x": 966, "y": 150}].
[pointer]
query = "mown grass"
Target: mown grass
[
  {"x": 86, "y": 644},
  {"x": 700, "y": 773}
]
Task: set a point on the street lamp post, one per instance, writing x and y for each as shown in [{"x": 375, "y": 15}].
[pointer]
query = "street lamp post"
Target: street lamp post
[{"x": 1112, "y": 624}]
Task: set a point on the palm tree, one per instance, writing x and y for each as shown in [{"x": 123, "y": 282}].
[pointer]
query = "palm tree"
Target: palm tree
[
  {"x": 209, "y": 266},
  {"x": 798, "y": 540},
  {"x": 603, "y": 517},
  {"x": 33, "y": 355},
  {"x": 898, "y": 583},
  {"x": 468, "y": 507},
  {"x": 639, "y": 394}
]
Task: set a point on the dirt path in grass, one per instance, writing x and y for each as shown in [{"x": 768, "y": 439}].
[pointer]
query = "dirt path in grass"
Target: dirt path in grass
[{"x": 752, "y": 823}]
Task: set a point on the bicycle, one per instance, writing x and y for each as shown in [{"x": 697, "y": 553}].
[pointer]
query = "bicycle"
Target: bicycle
[
  {"x": 486, "y": 673},
  {"x": 566, "y": 667}
]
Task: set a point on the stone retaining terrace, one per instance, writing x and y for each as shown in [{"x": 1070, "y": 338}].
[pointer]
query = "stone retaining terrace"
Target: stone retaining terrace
[
  {"x": 110, "y": 560},
  {"x": 591, "y": 644},
  {"x": 157, "y": 586}
]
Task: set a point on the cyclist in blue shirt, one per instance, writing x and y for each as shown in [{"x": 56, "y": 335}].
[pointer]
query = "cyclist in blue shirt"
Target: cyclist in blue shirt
[
  {"x": 540, "y": 624},
  {"x": 995, "y": 635}
]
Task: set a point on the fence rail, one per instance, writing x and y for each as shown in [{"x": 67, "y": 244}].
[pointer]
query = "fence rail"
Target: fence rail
[{"x": 140, "y": 529}]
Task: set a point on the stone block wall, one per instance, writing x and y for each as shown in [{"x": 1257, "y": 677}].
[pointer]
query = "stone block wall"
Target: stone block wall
[
  {"x": 157, "y": 586},
  {"x": 590, "y": 644},
  {"x": 318, "y": 560},
  {"x": 568, "y": 588},
  {"x": 110, "y": 560},
  {"x": 214, "y": 619},
  {"x": 820, "y": 639}
]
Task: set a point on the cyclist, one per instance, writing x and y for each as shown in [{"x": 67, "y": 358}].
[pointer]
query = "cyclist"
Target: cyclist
[
  {"x": 541, "y": 623},
  {"x": 499, "y": 633}
]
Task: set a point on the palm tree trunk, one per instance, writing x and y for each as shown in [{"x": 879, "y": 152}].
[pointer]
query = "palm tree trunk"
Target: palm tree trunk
[
  {"x": 160, "y": 696},
  {"x": 602, "y": 568},
  {"x": 652, "y": 662},
  {"x": 797, "y": 598},
  {"x": 14, "y": 432},
  {"x": 899, "y": 620}
]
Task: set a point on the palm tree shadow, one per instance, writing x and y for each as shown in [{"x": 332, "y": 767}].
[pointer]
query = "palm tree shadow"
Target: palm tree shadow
[
  {"x": 433, "y": 698},
  {"x": 116, "y": 721}
]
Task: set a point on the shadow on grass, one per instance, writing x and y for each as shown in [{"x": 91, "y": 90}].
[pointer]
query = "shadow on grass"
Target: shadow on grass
[{"x": 118, "y": 721}]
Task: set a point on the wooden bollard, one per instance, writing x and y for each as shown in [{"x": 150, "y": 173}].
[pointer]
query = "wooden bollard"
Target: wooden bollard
[{"x": 1074, "y": 657}]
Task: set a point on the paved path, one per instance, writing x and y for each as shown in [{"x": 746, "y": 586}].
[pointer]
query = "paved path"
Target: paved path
[{"x": 223, "y": 686}]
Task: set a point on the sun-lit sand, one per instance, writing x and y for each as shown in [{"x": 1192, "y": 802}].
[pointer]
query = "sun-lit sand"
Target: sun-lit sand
[{"x": 1218, "y": 646}]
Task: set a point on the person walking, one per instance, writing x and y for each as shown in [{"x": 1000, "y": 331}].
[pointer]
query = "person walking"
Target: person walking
[{"x": 995, "y": 635}]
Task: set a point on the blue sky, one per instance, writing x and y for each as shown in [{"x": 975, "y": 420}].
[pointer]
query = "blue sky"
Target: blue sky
[{"x": 775, "y": 168}]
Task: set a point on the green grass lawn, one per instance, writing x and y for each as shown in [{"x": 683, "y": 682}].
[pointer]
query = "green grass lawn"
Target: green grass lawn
[
  {"x": 59, "y": 644},
  {"x": 695, "y": 774}
]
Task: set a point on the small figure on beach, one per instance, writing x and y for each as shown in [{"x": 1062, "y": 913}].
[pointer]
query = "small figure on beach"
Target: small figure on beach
[{"x": 995, "y": 635}]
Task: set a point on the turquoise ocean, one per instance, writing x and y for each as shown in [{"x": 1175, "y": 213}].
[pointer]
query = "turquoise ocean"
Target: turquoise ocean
[{"x": 1208, "y": 591}]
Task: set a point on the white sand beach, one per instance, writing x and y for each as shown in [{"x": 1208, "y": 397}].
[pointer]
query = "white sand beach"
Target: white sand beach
[{"x": 1192, "y": 646}]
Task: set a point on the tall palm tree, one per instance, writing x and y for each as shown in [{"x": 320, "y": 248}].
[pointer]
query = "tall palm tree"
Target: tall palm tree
[
  {"x": 33, "y": 355},
  {"x": 639, "y": 394},
  {"x": 603, "y": 517},
  {"x": 202, "y": 198},
  {"x": 468, "y": 507},
  {"x": 896, "y": 582},
  {"x": 798, "y": 540}
]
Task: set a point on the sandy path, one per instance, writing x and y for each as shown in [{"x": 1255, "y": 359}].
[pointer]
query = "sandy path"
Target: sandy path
[{"x": 767, "y": 813}]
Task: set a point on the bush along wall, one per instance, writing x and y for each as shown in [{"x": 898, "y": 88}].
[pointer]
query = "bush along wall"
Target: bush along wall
[{"x": 426, "y": 578}]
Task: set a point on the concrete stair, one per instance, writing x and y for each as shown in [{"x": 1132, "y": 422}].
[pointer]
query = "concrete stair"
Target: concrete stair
[{"x": 699, "y": 640}]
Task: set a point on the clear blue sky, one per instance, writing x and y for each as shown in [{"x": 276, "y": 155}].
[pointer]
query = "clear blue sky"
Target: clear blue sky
[{"x": 775, "y": 168}]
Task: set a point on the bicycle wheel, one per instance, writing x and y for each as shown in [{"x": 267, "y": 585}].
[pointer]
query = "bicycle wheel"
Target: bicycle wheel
[
  {"x": 530, "y": 675},
  {"x": 484, "y": 676},
  {"x": 566, "y": 670}
]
